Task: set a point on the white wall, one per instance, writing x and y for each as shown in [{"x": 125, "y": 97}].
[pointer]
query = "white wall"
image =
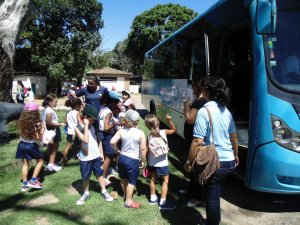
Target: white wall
[
  {"x": 134, "y": 89},
  {"x": 40, "y": 84}
]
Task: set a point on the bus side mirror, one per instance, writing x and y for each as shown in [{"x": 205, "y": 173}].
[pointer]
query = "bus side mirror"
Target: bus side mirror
[{"x": 266, "y": 14}]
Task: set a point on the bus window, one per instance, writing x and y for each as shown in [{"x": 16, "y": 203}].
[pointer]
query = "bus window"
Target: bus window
[
  {"x": 237, "y": 74},
  {"x": 198, "y": 69}
]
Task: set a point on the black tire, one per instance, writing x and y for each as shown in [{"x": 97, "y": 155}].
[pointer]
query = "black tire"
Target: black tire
[{"x": 152, "y": 108}]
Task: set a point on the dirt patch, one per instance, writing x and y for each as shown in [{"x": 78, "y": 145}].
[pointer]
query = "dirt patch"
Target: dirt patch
[
  {"x": 8, "y": 212},
  {"x": 72, "y": 214},
  {"x": 42, "y": 200},
  {"x": 42, "y": 220},
  {"x": 87, "y": 219},
  {"x": 72, "y": 191}
]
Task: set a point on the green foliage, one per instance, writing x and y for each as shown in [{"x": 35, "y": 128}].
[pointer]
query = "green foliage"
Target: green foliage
[
  {"x": 153, "y": 26},
  {"x": 62, "y": 35}
]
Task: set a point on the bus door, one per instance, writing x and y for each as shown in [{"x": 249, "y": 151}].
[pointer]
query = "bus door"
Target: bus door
[{"x": 238, "y": 75}]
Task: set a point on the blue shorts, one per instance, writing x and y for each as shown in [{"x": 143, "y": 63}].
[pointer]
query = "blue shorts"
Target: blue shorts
[
  {"x": 86, "y": 168},
  {"x": 107, "y": 149},
  {"x": 128, "y": 168},
  {"x": 57, "y": 137},
  {"x": 70, "y": 138},
  {"x": 159, "y": 171},
  {"x": 28, "y": 151}
]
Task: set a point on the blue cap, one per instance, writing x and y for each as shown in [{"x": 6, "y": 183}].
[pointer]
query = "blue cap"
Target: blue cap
[{"x": 114, "y": 95}]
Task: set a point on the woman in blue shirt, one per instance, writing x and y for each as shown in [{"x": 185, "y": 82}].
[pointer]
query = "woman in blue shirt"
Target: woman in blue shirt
[
  {"x": 92, "y": 92},
  {"x": 225, "y": 140}
]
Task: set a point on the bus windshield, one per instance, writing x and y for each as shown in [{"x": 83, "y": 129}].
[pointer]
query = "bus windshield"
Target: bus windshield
[{"x": 283, "y": 47}]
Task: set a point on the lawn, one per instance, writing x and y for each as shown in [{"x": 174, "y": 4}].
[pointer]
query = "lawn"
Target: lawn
[{"x": 56, "y": 203}]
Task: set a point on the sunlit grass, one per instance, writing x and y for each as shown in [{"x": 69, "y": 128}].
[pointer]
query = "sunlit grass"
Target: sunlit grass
[{"x": 65, "y": 186}]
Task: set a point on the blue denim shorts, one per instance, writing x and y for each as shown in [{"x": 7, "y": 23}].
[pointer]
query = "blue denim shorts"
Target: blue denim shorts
[
  {"x": 128, "y": 168},
  {"x": 86, "y": 168},
  {"x": 28, "y": 151},
  {"x": 70, "y": 138},
  {"x": 107, "y": 149},
  {"x": 159, "y": 171}
]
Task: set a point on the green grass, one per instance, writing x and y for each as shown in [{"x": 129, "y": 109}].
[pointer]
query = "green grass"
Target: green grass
[{"x": 66, "y": 187}]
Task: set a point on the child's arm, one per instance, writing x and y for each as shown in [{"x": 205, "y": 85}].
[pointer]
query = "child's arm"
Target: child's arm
[
  {"x": 107, "y": 125},
  {"x": 114, "y": 141},
  {"x": 40, "y": 132},
  {"x": 84, "y": 137},
  {"x": 143, "y": 148},
  {"x": 50, "y": 123},
  {"x": 172, "y": 129}
]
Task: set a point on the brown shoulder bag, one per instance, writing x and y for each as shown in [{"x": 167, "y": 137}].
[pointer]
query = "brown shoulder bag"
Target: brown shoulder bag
[{"x": 205, "y": 158}]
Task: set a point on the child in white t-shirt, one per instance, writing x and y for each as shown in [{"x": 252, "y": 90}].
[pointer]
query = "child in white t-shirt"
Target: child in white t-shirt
[
  {"x": 72, "y": 119},
  {"x": 90, "y": 155}
]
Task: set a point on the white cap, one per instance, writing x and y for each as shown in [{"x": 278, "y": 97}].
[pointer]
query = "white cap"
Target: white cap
[{"x": 132, "y": 115}]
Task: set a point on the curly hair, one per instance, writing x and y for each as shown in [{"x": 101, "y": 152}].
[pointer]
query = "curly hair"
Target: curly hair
[
  {"x": 152, "y": 123},
  {"x": 30, "y": 124}
]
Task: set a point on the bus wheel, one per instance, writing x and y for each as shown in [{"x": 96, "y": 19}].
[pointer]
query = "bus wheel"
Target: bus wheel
[{"x": 152, "y": 107}]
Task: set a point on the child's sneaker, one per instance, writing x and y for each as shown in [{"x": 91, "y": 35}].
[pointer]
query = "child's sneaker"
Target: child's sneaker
[
  {"x": 82, "y": 199},
  {"x": 25, "y": 188},
  {"x": 53, "y": 167},
  {"x": 133, "y": 205},
  {"x": 167, "y": 206},
  {"x": 35, "y": 184},
  {"x": 153, "y": 202},
  {"x": 107, "y": 196}
]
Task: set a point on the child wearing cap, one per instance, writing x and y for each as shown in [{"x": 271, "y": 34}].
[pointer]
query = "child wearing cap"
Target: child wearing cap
[
  {"x": 107, "y": 128},
  {"x": 133, "y": 149},
  {"x": 90, "y": 154},
  {"x": 31, "y": 132},
  {"x": 127, "y": 101}
]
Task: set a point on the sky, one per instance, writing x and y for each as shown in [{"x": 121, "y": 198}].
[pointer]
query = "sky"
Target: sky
[{"x": 118, "y": 16}]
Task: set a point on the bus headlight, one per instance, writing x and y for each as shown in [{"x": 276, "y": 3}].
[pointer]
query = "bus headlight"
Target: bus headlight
[
  {"x": 295, "y": 142},
  {"x": 284, "y": 135}
]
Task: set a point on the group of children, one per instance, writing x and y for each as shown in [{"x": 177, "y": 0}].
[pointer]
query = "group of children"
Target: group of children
[{"x": 107, "y": 137}]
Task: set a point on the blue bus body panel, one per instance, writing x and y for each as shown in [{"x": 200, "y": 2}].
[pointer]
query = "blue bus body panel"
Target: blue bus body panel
[
  {"x": 276, "y": 169},
  {"x": 286, "y": 112}
]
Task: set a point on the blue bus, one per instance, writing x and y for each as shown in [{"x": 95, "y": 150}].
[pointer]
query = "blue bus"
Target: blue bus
[{"x": 255, "y": 46}]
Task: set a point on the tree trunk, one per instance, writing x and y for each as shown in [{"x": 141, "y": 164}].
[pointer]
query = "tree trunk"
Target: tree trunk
[{"x": 13, "y": 16}]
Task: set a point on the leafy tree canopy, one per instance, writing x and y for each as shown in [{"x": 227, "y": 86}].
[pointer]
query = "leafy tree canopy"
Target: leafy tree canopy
[
  {"x": 62, "y": 35},
  {"x": 153, "y": 26}
]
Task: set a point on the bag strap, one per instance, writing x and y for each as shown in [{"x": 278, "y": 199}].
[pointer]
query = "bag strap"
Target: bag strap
[{"x": 211, "y": 125}]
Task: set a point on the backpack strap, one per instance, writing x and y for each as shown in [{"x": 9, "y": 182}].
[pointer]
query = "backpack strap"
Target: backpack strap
[{"x": 211, "y": 124}]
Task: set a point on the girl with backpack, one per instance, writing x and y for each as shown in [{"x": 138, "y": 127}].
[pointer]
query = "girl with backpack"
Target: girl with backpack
[{"x": 158, "y": 159}]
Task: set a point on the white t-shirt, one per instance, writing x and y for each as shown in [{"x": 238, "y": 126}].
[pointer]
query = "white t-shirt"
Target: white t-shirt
[
  {"x": 131, "y": 138},
  {"x": 102, "y": 115},
  {"x": 92, "y": 146},
  {"x": 54, "y": 117},
  {"x": 72, "y": 121},
  {"x": 162, "y": 160}
]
